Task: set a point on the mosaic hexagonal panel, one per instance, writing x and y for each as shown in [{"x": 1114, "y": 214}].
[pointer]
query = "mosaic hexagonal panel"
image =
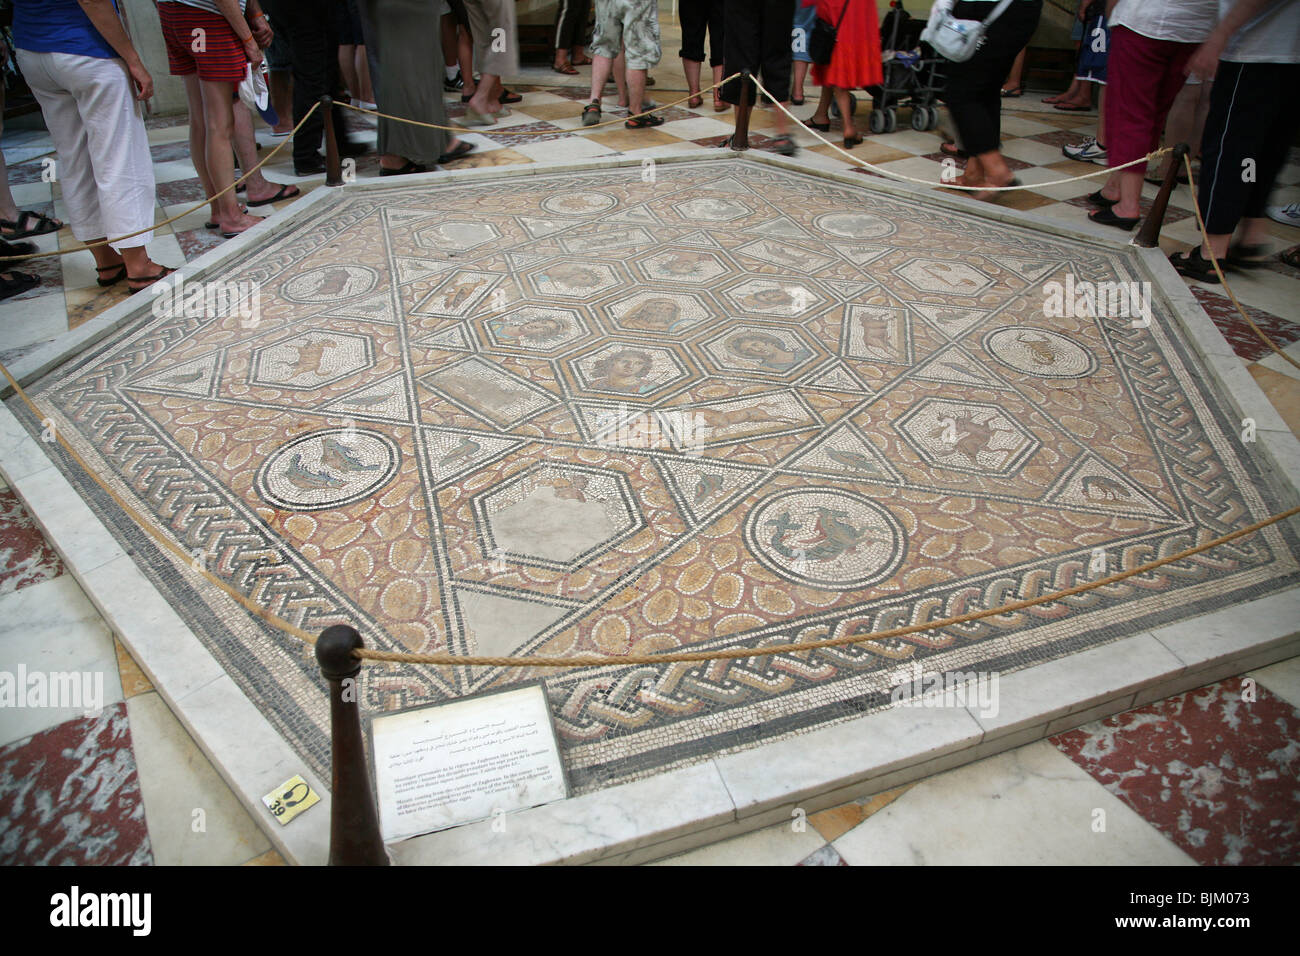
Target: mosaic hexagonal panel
[{"x": 579, "y": 412}]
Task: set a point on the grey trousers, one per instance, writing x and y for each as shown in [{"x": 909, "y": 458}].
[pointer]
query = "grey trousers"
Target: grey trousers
[{"x": 408, "y": 42}]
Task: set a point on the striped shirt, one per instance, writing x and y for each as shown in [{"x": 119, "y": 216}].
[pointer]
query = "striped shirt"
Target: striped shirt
[{"x": 209, "y": 5}]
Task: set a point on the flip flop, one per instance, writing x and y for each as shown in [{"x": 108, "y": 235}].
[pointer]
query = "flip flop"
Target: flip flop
[
  {"x": 286, "y": 191},
  {"x": 114, "y": 279},
  {"x": 16, "y": 248},
  {"x": 1072, "y": 109},
  {"x": 461, "y": 151},
  {"x": 410, "y": 167},
  {"x": 1014, "y": 92},
  {"x": 44, "y": 225},
  {"x": 567, "y": 69},
  {"x": 18, "y": 284}
]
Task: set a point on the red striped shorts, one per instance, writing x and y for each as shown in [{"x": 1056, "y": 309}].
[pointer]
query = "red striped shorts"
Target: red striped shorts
[{"x": 202, "y": 42}]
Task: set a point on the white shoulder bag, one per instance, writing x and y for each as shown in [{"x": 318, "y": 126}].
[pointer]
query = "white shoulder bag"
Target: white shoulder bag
[{"x": 954, "y": 39}]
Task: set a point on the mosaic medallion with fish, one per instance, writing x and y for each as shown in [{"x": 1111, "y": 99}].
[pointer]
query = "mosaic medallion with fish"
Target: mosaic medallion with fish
[
  {"x": 825, "y": 538},
  {"x": 328, "y": 469},
  {"x": 332, "y": 283}
]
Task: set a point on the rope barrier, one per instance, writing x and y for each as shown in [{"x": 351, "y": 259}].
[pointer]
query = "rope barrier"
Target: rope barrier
[
  {"x": 926, "y": 182},
  {"x": 167, "y": 222},
  {"x": 533, "y": 132}
]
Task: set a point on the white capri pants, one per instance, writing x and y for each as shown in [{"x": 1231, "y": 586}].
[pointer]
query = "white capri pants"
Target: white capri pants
[{"x": 104, "y": 167}]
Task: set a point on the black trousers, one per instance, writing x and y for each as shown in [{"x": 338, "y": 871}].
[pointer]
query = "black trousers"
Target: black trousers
[
  {"x": 697, "y": 16},
  {"x": 570, "y": 23},
  {"x": 308, "y": 25},
  {"x": 758, "y": 40},
  {"x": 1251, "y": 122},
  {"x": 974, "y": 91}
]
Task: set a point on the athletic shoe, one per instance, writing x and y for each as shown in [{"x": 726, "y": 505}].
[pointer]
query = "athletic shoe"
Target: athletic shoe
[
  {"x": 1087, "y": 151},
  {"x": 454, "y": 85},
  {"x": 1286, "y": 215}
]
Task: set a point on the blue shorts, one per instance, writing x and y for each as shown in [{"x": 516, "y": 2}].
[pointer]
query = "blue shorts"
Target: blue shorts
[
  {"x": 1094, "y": 51},
  {"x": 804, "y": 18}
]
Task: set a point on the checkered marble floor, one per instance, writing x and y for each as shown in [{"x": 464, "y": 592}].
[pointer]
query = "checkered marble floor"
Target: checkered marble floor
[{"x": 125, "y": 783}]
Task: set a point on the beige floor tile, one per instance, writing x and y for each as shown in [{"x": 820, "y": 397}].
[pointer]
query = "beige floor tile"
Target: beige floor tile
[
  {"x": 192, "y": 815},
  {"x": 133, "y": 680},
  {"x": 269, "y": 858},
  {"x": 627, "y": 139},
  {"x": 551, "y": 111},
  {"x": 1282, "y": 390},
  {"x": 837, "y": 821}
]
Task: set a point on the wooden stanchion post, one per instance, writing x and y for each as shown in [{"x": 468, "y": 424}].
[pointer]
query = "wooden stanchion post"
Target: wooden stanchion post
[
  {"x": 354, "y": 822},
  {"x": 333, "y": 167},
  {"x": 1148, "y": 236}
]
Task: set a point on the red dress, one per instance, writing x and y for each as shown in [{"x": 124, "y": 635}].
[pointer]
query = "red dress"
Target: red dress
[{"x": 856, "y": 60}]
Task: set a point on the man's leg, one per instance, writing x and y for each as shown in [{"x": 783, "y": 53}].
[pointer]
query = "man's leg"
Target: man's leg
[{"x": 635, "y": 91}]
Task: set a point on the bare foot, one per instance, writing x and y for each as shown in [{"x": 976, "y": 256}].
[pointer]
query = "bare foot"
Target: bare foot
[{"x": 237, "y": 223}]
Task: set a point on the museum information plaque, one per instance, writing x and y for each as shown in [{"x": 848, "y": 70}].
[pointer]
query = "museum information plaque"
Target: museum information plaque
[{"x": 441, "y": 766}]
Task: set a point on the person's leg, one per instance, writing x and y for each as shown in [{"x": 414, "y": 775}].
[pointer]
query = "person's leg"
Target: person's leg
[
  {"x": 1230, "y": 137},
  {"x": 8, "y": 210},
  {"x": 199, "y": 138},
  {"x": 49, "y": 84},
  {"x": 800, "y": 76},
  {"x": 347, "y": 54},
  {"x": 1013, "y": 83},
  {"x": 846, "y": 113},
  {"x": 694, "y": 16},
  {"x": 1277, "y": 133},
  {"x": 775, "y": 62},
  {"x": 260, "y": 189},
  {"x": 118, "y": 152},
  {"x": 635, "y": 91},
  {"x": 821, "y": 116},
  {"x": 620, "y": 75},
  {"x": 219, "y": 123}
]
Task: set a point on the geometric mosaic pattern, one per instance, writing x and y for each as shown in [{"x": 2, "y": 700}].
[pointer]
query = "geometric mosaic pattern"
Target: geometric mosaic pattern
[{"x": 585, "y": 413}]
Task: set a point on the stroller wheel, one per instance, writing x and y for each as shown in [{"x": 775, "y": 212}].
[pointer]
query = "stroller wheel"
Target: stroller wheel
[
  {"x": 920, "y": 118},
  {"x": 891, "y": 120},
  {"x": 934, "y": 118},
  {"x": 876, "y": 121}
]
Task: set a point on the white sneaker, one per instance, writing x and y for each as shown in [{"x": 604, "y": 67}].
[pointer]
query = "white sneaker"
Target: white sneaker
[
  {"x": 1087, "y": 151},
  {"x": 1286, "y": 215}
]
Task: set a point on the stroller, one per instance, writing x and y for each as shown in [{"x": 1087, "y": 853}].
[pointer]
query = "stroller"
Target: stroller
[{"x": 911, "y": 74}]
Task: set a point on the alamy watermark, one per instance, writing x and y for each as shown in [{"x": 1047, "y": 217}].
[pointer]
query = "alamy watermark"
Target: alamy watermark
[
  {"x": 72, "y": 690},
  {"x": 914, "y": 687},
  {"x": 213, "y": 300},
  {"x": 1102, "y": 300}
]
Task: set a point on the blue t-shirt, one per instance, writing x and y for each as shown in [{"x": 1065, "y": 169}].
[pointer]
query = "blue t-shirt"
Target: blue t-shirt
[{"x": 58, "y": 26}]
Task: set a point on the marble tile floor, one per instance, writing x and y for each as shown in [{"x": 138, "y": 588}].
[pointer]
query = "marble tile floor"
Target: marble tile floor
[{"x": 129, "y": 786}]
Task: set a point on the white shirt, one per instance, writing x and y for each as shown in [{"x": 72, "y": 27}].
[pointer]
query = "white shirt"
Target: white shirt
[
  {"x": 1182, "y": 21},
  {"x": 1272, "y": 37}
]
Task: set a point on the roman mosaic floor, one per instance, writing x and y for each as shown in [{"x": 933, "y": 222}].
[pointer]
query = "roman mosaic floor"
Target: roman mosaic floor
[{"x": 604, "y": 412}]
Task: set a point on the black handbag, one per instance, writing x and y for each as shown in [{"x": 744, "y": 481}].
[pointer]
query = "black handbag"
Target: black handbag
[{"x": 821, "y": 45}]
